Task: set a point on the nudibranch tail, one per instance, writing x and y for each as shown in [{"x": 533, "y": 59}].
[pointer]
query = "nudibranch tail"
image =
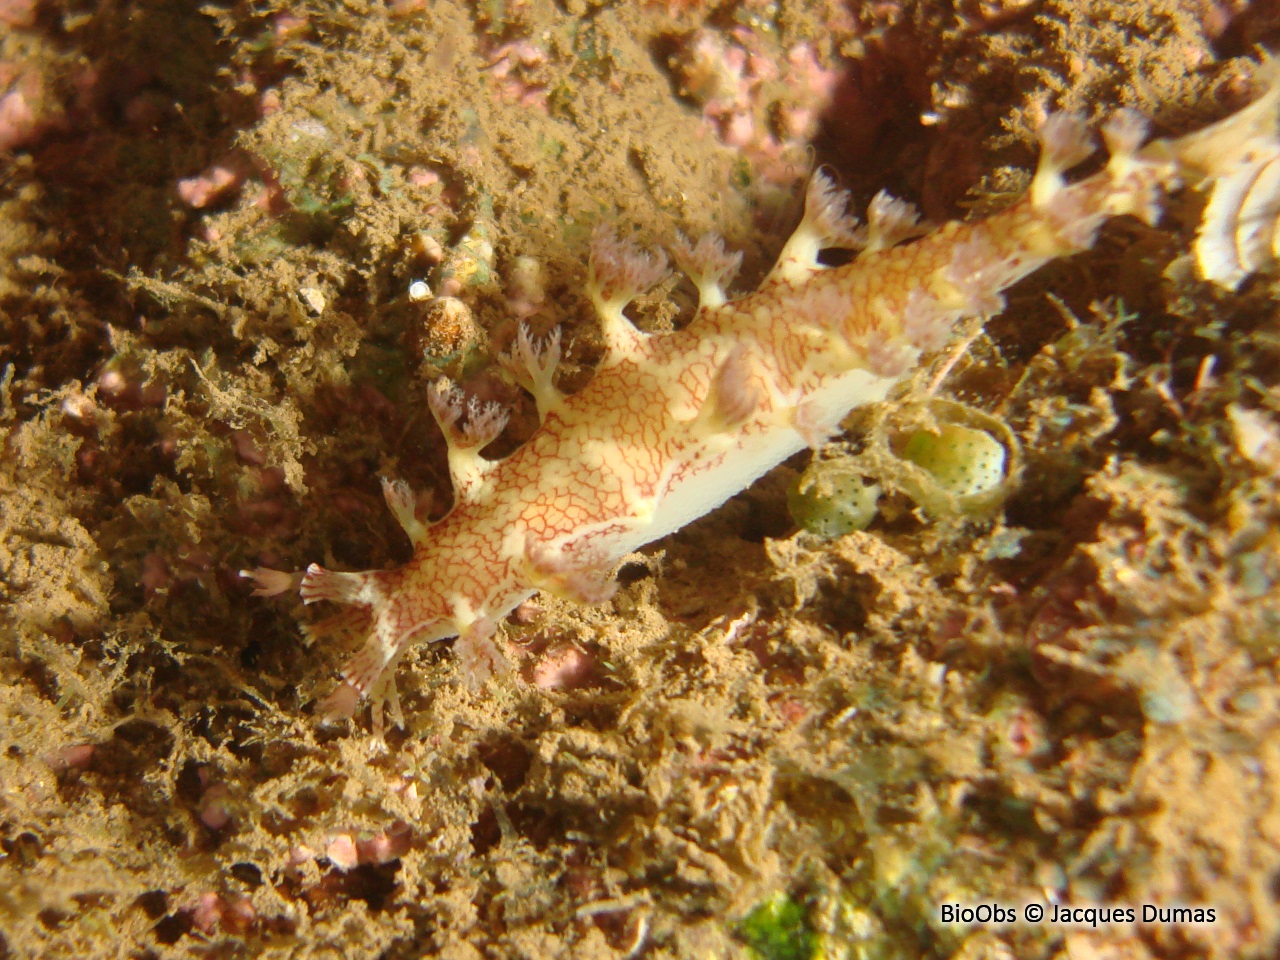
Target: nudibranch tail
[
  {"x": 390, "y": 618},
  {"x": 673, "y": 424}
]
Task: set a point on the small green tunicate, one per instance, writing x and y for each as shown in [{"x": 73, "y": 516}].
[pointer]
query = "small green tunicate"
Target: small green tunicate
[
  {"x": 963, "y": 461},
  {"x": 831, "y": 499}
]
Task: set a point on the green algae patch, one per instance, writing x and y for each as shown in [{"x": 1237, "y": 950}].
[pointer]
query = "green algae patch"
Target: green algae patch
[{"x": 779, "y": 929}]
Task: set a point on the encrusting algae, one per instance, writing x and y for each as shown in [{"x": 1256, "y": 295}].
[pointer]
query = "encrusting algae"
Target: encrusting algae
[{"x": 671, "y": 425}]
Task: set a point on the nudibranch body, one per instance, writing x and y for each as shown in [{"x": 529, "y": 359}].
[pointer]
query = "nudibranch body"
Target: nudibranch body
[{"x": 671, "y": 425}]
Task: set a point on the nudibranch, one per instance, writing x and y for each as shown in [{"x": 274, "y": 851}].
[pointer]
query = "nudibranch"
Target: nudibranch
[{"x": 673, "y": 424}]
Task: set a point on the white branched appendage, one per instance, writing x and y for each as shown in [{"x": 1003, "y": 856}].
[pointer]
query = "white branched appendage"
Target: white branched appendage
[
  {"x": 467, "y": 469},
  {"x": 673, "y": 424},
  {"x": 889, "y": 222},
  {"x": 619, "y": 272},
  {"x": 709, "y": 265},
  {"x": 403, "y": 505},
  {"x": 532, "y": 364},
  {"x": 826, "y": 225}
]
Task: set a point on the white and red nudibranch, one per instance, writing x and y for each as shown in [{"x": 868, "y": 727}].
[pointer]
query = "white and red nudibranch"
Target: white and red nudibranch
[{"x": 671, "y": 425}]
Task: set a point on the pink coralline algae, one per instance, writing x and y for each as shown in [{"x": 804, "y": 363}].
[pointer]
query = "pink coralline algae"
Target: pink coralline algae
[{"x": 763, "y": 105}]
